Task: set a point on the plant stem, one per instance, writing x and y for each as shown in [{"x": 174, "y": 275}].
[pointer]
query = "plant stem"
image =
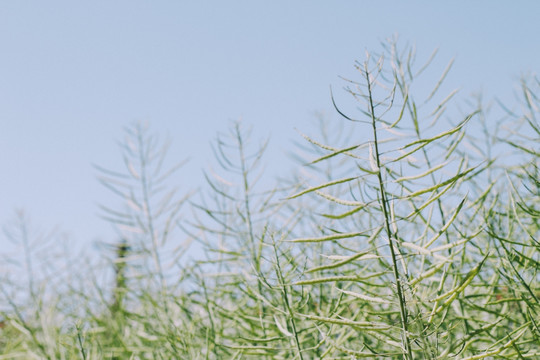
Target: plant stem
[{"x": 401, "y": 297}]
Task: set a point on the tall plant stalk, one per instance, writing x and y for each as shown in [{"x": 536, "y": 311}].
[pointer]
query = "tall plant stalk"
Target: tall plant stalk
[{"x": 392, "y": 241}]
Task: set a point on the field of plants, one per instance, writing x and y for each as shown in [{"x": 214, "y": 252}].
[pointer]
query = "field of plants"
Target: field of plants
[{"x": 410, "y": 230}]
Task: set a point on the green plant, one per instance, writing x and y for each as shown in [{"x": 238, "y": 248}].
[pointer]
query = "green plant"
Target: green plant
[
  {"x": 415, "y": 254},
  {"x": 410, "y": 232}
]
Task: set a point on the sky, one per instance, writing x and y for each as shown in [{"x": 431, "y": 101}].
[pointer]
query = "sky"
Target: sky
[{"x": 73, "y": 74}]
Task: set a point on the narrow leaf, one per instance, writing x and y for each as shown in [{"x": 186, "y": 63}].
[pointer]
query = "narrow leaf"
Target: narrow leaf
[{"x": 318, "y": 187}]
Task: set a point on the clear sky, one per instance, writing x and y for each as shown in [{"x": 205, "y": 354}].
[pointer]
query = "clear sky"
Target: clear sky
[{"x": 74, "y": 73}]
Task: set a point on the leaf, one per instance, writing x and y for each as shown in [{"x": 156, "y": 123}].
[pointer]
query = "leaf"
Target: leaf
[
  {"x": 365, "y": 297},
  {"x": 452, "y": 294},
  {"x": 282, "y": 328},
  {"x": 318, "y": 187},
  {"x": 443, "y": 134},
  {"x": 427, "y": 273},
  {"x": 326, "y": 238},
  {"x": 334, "y": 153},
  {"x": 447, "y": 225},
  {"x": 328, "y": 279},
  {"x": 441, "y": 80},
  {"x": 338, "y": 201},
  {"x": 372, "y": 160},
  {"x": 371, "y": 325},
  {"x": 444, "y": 183},
  {"x": 423, "y": 250},
  {"x": 345, "y": 214},
  {"x": 330, "y": 148},
  {"x": 418, "y": 176},
  {"x": 400, "y": 113}
]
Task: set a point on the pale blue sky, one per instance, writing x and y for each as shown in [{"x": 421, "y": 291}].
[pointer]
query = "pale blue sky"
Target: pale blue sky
[{"x": 73, "y": 73}]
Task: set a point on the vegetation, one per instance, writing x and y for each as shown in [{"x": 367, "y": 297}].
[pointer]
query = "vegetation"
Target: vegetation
[{"x": 411, "y": 234}]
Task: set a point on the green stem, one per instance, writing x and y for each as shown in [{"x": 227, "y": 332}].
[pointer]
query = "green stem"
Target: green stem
[
  {"x": 287, "y": 304},
  {"x": 384, "y": 203}
]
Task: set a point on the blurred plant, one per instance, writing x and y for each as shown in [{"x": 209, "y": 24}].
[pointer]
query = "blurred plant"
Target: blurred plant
[
  {"x": 29, "y": 297},
  {"x": 146, "y": 219}
]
